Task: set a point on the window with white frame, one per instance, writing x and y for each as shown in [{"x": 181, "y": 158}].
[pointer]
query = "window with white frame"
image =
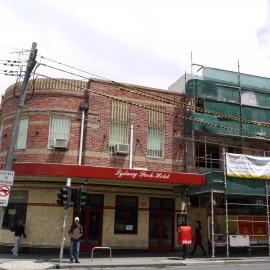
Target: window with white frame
[
  {"x": 22, "y": 134},
  {"x": 156, "y": 132},
  {"x": 120, "y": 123},
  {"x": 59, "y": 129}
]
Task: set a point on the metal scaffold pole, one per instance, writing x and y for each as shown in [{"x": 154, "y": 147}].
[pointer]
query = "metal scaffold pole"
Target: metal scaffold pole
[
  {"x": 212, "y": 214},
  {"x": 226, "y": 205},
  {"x": 267, "y": 212}
]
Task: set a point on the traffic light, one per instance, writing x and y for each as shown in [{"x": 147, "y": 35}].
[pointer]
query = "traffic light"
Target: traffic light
[
  {"x": 83, "y": 192},
  {"x": 73, "y": 195},
  {"x": 63, "y": 198},
  {"x": 81, "y": 198},
  {"x": 59, "y": 199}
]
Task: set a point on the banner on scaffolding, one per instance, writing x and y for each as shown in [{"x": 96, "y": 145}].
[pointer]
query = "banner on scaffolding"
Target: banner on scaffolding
[{"x": 246, "y": 166}]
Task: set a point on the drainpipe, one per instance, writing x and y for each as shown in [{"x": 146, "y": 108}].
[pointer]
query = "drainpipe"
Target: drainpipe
[
  {"x": 131, "y": 147},
  {"x": 83, "y": 108}
]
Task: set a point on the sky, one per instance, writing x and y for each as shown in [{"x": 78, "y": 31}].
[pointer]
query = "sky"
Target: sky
[{"x": 143, "y": 42}]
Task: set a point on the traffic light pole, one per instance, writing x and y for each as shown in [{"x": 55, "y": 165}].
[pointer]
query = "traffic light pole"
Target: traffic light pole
[
  {"x": 68, "y": 185},
  {"x": 63, "y": 236}
]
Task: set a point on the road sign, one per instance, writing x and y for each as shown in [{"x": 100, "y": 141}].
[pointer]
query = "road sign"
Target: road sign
[
  {"x": 4, "y": 195},
  {"x": 6, "y": 177}
]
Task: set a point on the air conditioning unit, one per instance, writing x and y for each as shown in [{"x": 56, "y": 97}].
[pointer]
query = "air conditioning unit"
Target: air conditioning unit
[
  {"x": 61, "y": 143},
  {"x": 121, "y": 149},
  {"x": 139, "y": 168}
]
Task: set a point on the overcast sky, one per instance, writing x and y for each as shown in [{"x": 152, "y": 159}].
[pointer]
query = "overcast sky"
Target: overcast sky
[{"x": 145, "y": 42}]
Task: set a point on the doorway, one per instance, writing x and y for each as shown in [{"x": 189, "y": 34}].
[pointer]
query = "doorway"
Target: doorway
[
  {"x": 161, "y": 225},
  {"x": 92, "y": 221}
]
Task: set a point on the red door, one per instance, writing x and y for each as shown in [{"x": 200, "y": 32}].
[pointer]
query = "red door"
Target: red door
[
  {"x": 161, "y": 231},
  {"x": 91, "y": 220}
]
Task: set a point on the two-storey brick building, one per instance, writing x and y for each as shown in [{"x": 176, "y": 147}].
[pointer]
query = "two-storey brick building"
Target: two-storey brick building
[{"x": 123, "y": 143}]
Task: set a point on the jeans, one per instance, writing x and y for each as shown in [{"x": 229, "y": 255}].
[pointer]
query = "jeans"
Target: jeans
[
  {"x": 17, "y": 245},
  {"x": 74, "y": 250},
  {"x": 195, "y": 247}
]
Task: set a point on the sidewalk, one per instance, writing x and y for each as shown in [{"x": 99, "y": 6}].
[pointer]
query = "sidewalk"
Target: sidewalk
[{"x": 38, "y": 262}]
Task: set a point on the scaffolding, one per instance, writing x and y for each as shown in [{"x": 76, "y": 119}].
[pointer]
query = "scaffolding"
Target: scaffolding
[
  {"x": 220, "y": 194},
  {"x": 232, "y": 105}
]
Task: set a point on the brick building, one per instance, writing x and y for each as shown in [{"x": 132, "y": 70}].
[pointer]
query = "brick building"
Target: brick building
[{"x": 134, "y": 190}]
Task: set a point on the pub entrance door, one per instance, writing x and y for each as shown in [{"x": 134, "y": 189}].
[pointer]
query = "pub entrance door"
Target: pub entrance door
[
  {"x": 92, "y": 221},
  {"x": 161, "y": 225}
]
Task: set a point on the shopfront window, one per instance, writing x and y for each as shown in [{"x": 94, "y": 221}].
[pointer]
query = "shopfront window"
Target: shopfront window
[
  {"x": 13, "y": 213},
  {"x": 126, "y": 215},
  {"x": 16, "y": 209}
]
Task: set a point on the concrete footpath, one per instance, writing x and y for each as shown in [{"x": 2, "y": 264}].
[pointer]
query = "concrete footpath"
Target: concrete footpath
[{"x": 37, "y": 262}]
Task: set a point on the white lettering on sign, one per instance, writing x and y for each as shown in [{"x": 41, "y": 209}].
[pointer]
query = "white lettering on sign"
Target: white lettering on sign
[
  {"x": 142, "y": 174},
  {"x": 6, "y": 177},
  {"x": 186, "y": 242}
]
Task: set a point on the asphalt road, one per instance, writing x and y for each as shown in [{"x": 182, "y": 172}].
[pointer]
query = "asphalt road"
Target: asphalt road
[{"x": 264, "y": 266}]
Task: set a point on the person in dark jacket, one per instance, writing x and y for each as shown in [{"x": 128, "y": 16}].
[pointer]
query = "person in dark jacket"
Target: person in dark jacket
[
  {"x": 198, "y": 238},
  {"x": 18, "y": 233}
]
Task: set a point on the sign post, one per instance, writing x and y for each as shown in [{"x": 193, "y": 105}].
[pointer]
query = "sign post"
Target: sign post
[
  {"x": 6, "y": 180},
  {"x": 4, "y": 195}
]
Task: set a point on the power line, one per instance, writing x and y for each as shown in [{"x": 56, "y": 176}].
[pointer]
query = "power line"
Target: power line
[
  {"x": 154, "y": 109},
  {"x": 71, "y": 73},
  {"x": 162, "y": 99},
  {"x": 89, "y": 73}
]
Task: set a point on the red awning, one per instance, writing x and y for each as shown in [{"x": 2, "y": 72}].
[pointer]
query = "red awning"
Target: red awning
[{"x": 83, "y": 171}]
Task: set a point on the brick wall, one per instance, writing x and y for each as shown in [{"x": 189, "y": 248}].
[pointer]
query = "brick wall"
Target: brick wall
[{"x": 64, "y": 99}]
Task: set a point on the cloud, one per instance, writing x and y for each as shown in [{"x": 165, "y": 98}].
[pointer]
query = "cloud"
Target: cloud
[{"x": 142, "y": 42}]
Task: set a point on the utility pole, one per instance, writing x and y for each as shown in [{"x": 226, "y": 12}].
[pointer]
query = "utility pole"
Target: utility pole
[{"x": 29, "y": 68}]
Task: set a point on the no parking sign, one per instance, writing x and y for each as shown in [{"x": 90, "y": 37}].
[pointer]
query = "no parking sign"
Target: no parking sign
[{"x": 4, "y": 195}]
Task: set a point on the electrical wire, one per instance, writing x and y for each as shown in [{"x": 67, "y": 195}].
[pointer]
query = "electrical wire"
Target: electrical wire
[
  {"x": 58, "y": 69},
  {"x": 141, "y": 92},
  {"x": 154, "y": 109},
  {"x": 89, "y": 73},
  {"x": 187, "y": 118}
]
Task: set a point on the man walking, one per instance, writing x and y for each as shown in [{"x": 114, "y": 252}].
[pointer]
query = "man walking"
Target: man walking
[
  {"x": 18, "y": 233},
  {"x": 75, "y": 232},
  {"x": 198, "y": 238}
]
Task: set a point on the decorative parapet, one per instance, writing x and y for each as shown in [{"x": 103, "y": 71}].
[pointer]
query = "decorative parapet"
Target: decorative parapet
[{"x": 50, "y": 83}]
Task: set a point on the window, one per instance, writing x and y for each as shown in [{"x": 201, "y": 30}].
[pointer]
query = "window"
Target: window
[
  {"x": 118, "y": 134},
  {"x": 156, "y": 131},
  {"x": 161, "y": 204},
  {"x": 16, "y": 208},
  {"x": 120, "y": 123},
  {"x": 207, "y": 155},
  {"x": 59, "y": 129},
  {"x": 22, "y": 134},
  {"x": 155, "y": 142},
  {"x": 13, "y": 213},
  {"x": 126, "y": 215}
]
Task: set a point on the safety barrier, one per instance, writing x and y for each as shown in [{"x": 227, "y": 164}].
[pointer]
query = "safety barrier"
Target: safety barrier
[{"x": 94, "y": 248}]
